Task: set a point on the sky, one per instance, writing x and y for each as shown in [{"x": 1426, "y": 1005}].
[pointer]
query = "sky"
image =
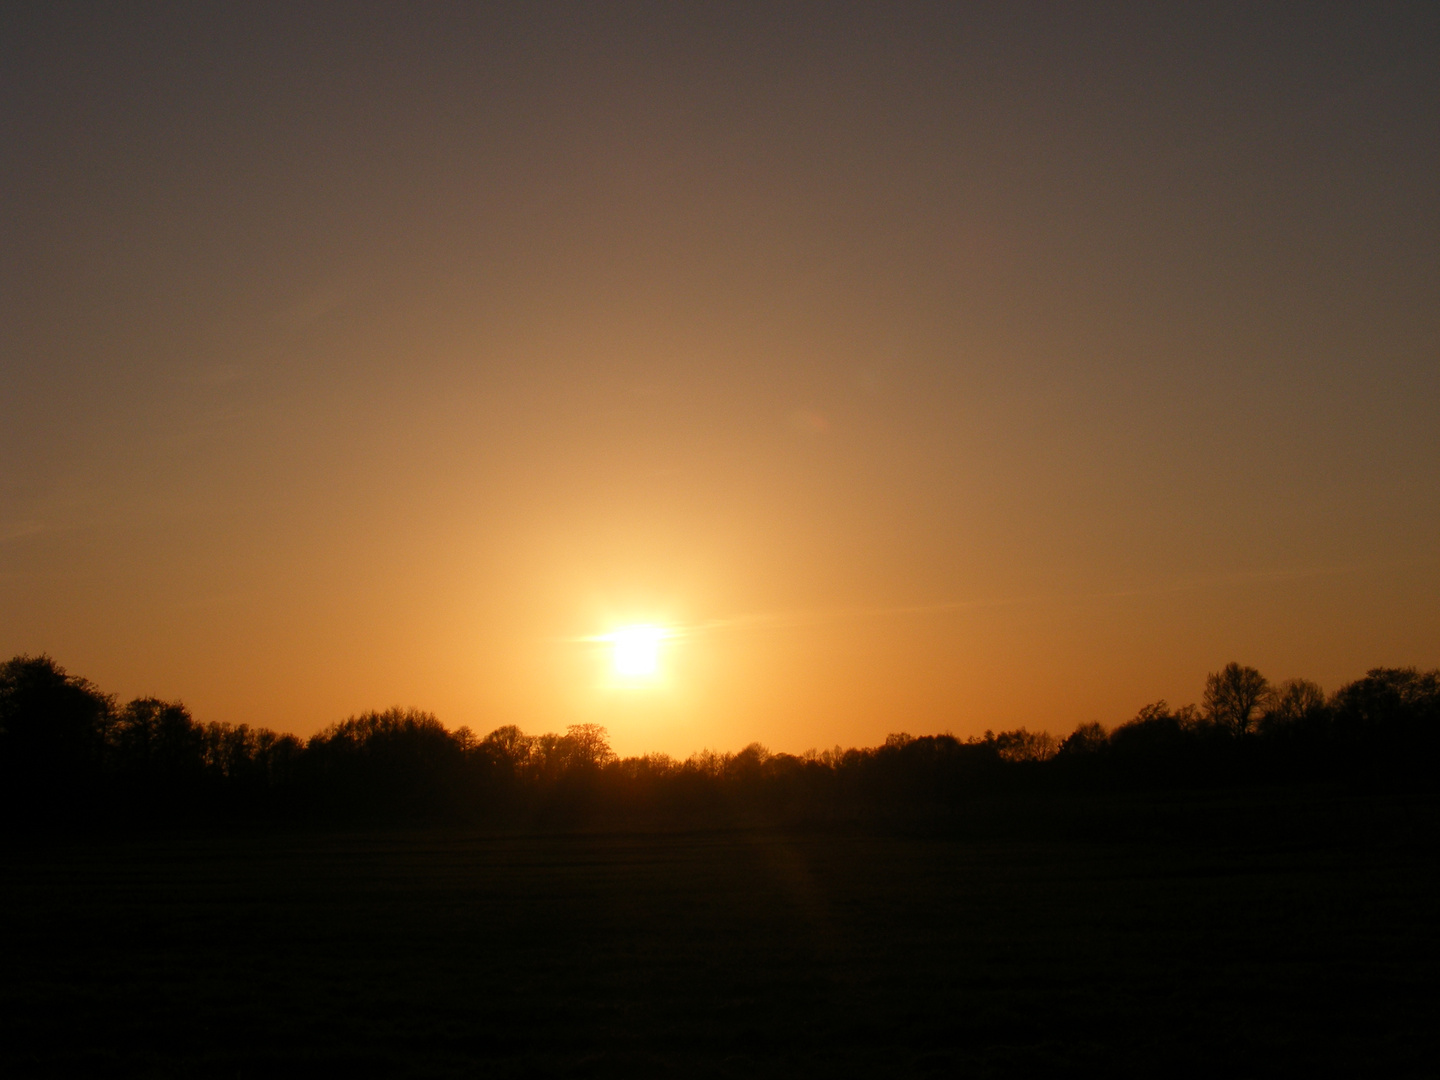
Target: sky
[{"x": 915, "y": 367}]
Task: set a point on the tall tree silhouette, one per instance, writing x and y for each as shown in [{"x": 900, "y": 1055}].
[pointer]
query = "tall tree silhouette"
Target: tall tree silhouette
[
  {"x": 1235, "y": 697},
  {"x": 52, "y": 736}
]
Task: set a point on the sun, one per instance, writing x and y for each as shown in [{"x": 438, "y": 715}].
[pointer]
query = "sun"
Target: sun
[{"x": 637, "y": 650}]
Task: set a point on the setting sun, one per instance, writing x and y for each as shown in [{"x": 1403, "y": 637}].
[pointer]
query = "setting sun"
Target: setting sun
[{"x": 637, "y": 650}]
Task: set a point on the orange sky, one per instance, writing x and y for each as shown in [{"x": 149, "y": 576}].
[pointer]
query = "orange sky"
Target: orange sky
[{"x": 929, "y": 371}]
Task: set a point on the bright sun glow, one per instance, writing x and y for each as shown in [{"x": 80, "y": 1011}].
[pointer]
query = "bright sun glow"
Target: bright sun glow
[{"x": 637, "y": 650}]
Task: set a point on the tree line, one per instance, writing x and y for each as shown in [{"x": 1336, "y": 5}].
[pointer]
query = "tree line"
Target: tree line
[{"x": 70, "y": 753}]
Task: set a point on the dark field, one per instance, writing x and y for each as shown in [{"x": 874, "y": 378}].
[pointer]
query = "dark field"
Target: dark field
[{"x": 1308, "y": 942}]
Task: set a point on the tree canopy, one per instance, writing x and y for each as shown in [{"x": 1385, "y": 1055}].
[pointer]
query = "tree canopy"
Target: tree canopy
[{"x": 69, "y": 752}]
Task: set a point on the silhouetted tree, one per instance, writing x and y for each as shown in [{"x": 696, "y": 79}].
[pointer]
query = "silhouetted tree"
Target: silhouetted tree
[
  {"x": 1085, "y": 740},
  {"x": 1235, "y": 697},
  {"x": 249, "y": 762},
  {"x": 1022, "y": 745},
  {"x": 1295, "y": 701},
  {"x": 67, "y": 750},
  {"x": 746, "y": 766},
  {"x": 400, "y": 761},
  {"x": 707, "y": 763},
  {"x": 1157, "y": 747},
  {"x": 586, "y": 746},
  {"x": 1389, "y": 696},
  {"x": 507, "y": 747},
  {"x": 1389, "y": 722},
  {"x": 157, "y": 741},
  {"x": 52, "y": 737}
]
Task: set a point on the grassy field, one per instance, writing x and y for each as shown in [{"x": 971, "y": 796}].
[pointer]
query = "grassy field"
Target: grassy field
[{"x": 727, "y": 953}]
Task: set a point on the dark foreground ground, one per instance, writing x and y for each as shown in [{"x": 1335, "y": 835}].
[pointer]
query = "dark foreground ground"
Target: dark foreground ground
[{"x": 1254, "y": 935}]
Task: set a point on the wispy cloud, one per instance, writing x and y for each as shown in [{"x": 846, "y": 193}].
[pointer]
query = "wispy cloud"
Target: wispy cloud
[
  {"x": 802, "y": 617},
  {"x": 1273, "y": 575}
]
